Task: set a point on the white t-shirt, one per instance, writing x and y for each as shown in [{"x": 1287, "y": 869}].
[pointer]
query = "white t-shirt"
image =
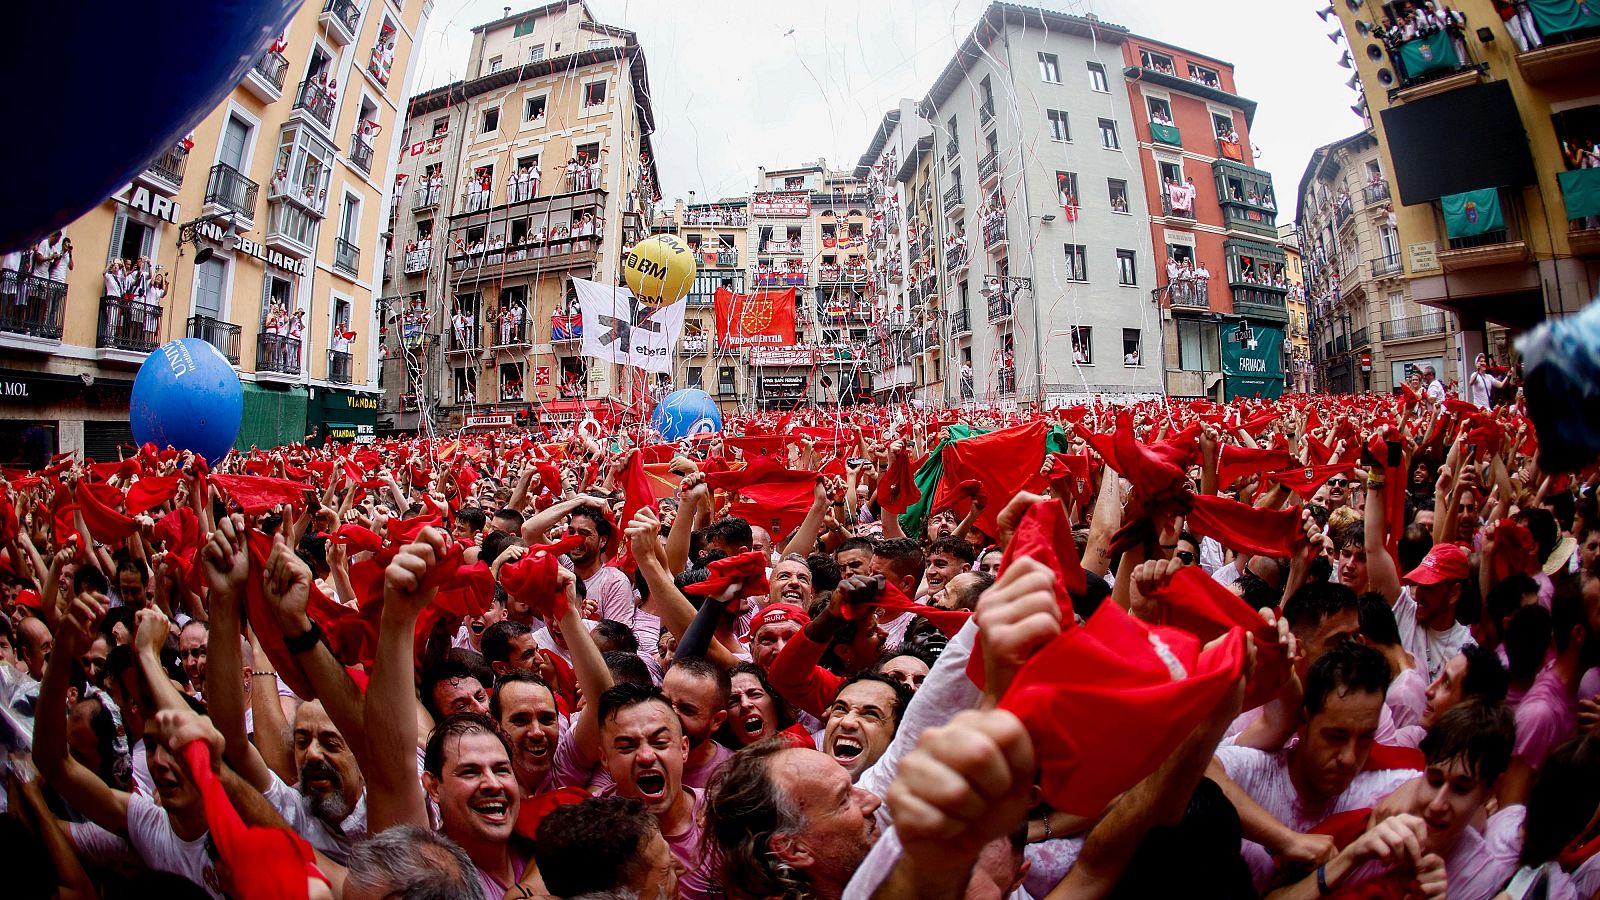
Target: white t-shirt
[
  {"x": 1435, "y": 390},
  {"x": 333, "y": 841},
  {"x": 151, "y": 836},
  {"x": 1480, "y": 387},
  {"x": 1429, "y": 647}
]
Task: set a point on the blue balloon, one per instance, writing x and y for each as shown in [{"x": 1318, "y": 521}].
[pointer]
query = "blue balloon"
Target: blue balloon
[
  {"x": 686, "y": 412},
  {"x": 187, "y": 395},
  {"x": 184, "y": 57}
]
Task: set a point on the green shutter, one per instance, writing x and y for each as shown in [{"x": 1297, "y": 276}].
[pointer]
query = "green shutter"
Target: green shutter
[
  {"x": 1472, "y": 213},
  {"x": 1580, "y": 188},
  {"x": 271, "y": 418}
]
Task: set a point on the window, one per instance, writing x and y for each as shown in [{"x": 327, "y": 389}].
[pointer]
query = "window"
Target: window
[
  {"x": 341, "y": 315},
  {"x": 210, "y": 283},
  {"x": 1108, "y": 135},
  {"x": 954, "y": 146},
  {"x": 1161, "y": 62},
  {"x": 599, "y": 43},
  {"x": 987, "y": 90},
  {"x": 235, "y": 137},
  {"x": 1205, "y": 76},
  {"x": 1389, "y": 243},
  {"x": 1049, "y": 68},
  {"x": 594, "y": 94},
  {"x": 1067, "y": 189},
  {"x": 1097, "y": 78},
  {"x": 1083, "y": 345},
  {"x": 1132, "y": 353},
  {"x": 693, "y": 376},
  {"x": 350, "y": 218},
  {"x": 495, "y": 62},
  {"x": 1118, "y": 189},
  {"x": 1058, "y": 125},
  {"x": 533, "y": 109},
  {"x": 1221, "y": 124},
  {"x": 536, "y": 54},
  {"x": 1126, "y": 267},
  {"x": 725, "y": 380},
  {"x": 524, "y": 27},
  {"x": 441, "y": 125},
  {"x": 1199, "y": 346},
  {"x": 1160, "y": 110},
  {"x": 1077, "y": 262},
  {"x": 491, "y": 121}
]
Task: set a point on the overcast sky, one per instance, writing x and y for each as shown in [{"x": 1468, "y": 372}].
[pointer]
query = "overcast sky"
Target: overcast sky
[{"x": 739, "y": 84}]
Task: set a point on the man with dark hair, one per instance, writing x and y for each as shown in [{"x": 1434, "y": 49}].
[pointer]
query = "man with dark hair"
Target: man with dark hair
[
  {"x": 450, "y": 688},
  {"x": 411, "y": 861},
  {"x": 469, "y": 524},
  {"x": 730, "y": 534},
  {"x": 607, "y": 586},
  {"x": 698, "y": 690},
  {"x": 507, "y": 521},
  {"x": 1282, "y": 794},
  {"x": 643, "y": 748},
  {"x": 862, "y": 720},
  {"x": 467, "y": 773},
  {"x": 508, "y": 647},
  {"x": 947, "y": 557},
  {"x": 1322, "y": 615},
  {"x": 855, "y": 556},
  {"x": 613, "y": 636},
  {"x": 192, "y": 640},
  {"x": 605, "y": 844},
  {"x": 900, "y": 561},
  {"x": 791, "y": 582},
  {"x": 133, "y": 583},
  {"x": 1408, "y": 686},
  {"x": 825, "y": 571},
  {"x": 1474, "y": 673}
]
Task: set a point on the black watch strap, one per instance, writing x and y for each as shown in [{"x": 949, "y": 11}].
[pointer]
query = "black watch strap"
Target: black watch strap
[{"x": 302, "y": 643}]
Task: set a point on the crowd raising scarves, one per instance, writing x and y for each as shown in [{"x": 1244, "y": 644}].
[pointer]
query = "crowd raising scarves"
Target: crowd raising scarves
[{"x": 1320, "y": 646}]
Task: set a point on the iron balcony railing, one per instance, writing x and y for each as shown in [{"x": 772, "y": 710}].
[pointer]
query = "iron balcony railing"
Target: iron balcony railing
[
  {"x": 423, "y": 198},
  {"x": 1359, "y": 339},
  {"x": 31, "y": 305},
  {"x": 1385, "y": 265},
  {"x": 1377, "y": 192},
  {"x": 272, "y": 66},
  {"x": 228, "y": 188},
  {"x": 999, "y": 307},
  {"x": 361, "y": 153},
  {"x": 1190, "y": 293},
  {"x": 278, "y": 353},
  {"x": 994, "y": 231},
  {"x": 346, "y": 257},
  {"x": 346, "y": 12},
  {"x": 1415, "y": 326},
  {"x": 1007, "y": 382},
  {"x": 339, "y": 367},
  {"x": 960, "y": 323},
  {"x": 989, "y": 165},
  {"x": 952, "y": 199},
  {"x": 222, "y": 335},
  {"x": 169, "y": 166},
  {"x": 314, "y": 98},
  {"x": 129, "y": 325}
]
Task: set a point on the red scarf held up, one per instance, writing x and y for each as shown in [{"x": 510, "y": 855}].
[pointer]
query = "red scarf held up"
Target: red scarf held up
[
  {"x": 750, "y": 568},
  {"x": 897, "y": 491},
  {"x": 1307, "y": 481},
  {"x": 267, "y": 863},
  {"x": 894, "y": 602},
  {"x": 532, "y": 582},
  {"x": 1043, "y": 534},
  {"x": 257, "y": 493},
  {"x": 151, "y": 491},
  {"x": 1235, "y": 462},
  {"x": 1199, "y": 605},
  {"x": 106, "y": 524}
]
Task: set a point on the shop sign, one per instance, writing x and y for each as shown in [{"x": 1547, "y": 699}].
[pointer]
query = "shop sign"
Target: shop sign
[
  {"x": 1424, "y": 256},
  {"x": 489, "y": 420},
  {"x": 147, "y": 201},
  {"x": 782, "y": 356},
  {"x": 214, "y": 232}
]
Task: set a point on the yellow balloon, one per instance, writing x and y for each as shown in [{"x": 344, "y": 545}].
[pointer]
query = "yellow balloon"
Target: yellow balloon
[{"x": 659, "y": 270}]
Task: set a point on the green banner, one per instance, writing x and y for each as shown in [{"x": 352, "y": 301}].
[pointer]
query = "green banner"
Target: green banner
[
  {"x": 1472, "y": 213},
  {"x": 1559, "y": 16},
  {"x": 1429, "y": 53},
  {"x": 1581, "y": 190},
  {"x": 1252, "y": 363},
  {"x": 1166, "y": 134}
]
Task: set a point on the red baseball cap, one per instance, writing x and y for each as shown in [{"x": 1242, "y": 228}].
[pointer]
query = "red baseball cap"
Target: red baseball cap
[
  {"x": 1445, "y": 562},
  {"x": 774, "y": 614},
  {"x": 29, "y": 597}
]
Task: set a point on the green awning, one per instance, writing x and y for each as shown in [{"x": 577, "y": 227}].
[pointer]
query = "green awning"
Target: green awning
[
  {"x": 1581, "y": 190},
  {"x": 1472, "y": 213},
  {"x": 1429, "y": 53},
  {"x": 1166, "y": 134},
  {"x": 1559, "y": 16}
]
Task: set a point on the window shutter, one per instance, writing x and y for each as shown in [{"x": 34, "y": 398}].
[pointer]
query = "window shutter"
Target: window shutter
[{"x": 117, "y": 227}]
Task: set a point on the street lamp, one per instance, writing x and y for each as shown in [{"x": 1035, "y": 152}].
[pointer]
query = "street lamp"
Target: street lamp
[{"x": 189, "y": 233}]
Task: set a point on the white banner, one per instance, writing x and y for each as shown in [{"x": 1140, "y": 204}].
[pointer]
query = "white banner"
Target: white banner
[{"x": 618, "y": 328}]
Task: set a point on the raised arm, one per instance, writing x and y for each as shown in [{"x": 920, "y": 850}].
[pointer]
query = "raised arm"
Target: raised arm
[
  {"x": 227, "y": 564},
  {"x": 696, "y": 496},
  {"x": 594, "y": 676},
  {"x": 675, "y": 610},
  {"x": 1107, "y": 519},
  {"x": 804, "y": 541},
  {"x": 1382, "y": 575}
]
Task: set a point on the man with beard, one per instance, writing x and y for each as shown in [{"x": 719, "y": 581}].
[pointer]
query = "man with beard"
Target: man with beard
[
  {"x": 467, "y": 767},
  {"x": 698, "y": 690},
  {"x": 643, "y": 747},
  {"x": 607, "y": 586},
  {"x": 329, "y": 808}
]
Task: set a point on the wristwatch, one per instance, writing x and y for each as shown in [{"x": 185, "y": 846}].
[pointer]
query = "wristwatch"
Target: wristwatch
[{"x": 301, "y": 643}]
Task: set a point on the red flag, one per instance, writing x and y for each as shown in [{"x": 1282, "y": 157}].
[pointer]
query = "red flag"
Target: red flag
[
  {"x": 897, "y": 491},
  {"x": 762, "y": 319}
]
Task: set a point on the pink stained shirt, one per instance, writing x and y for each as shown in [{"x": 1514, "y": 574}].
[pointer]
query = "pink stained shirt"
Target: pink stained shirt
[
  {"x": 611, "y": 590},
  {"x": 1545, "y": 717},
  {"x": 1479, "y": 865},
  {"x": 1407, "y": 698}
]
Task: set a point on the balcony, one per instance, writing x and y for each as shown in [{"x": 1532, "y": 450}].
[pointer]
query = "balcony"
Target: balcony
[
  {"x": 230, "y": 191},
  {"x": 1580, "y": 191},
  {"x": 464, "y": 336},
  {"x": 343, "y": 20},
  {"x": 566, "y": 328},
  {"x": 346, "y": 257},
  {"x": 1424, "y": 325},
  {"x": 1169, "y": 209},
  {"x": 692, "y": 346},
  {"x": 291, "y": 229},
  {"x": 1233, "y": 150},
  {"x": 222, "y": 335},
  {"x": 986, "y": 113},
  {"x": 1480, "y": 230},
  {"x": 956, "y": 260},
  {"x": 1384, "y": 266},
  {"x": 1006, "y": 381},
  {"x": 129, "y": 325},
  {"x": 165, "y": 174},
  {"x": 1571, "y": 45},
  {"x": 510, "y": 332},
  {"x": 313, "y": 101},
  {"x": 954, "y": 204},
  {"x": 1190, "y": 293},
  {"x": 425, "y": 198},
  {"x": 960, "y": 323},
  {"x": 480, "y": 264},
  {"x": 782, "y": 278},
  {"x": 930, "y": 338},
  {"x": 1166, "y": 134},
  {"x": 999, "y": 308},
  {"x": 1342, "y": 212},
  {"x": 265, "y": 78},
  {"x": 989, "y": 167},
  {"x": 277, "y": 354},
  {"x": 474, "y": 201},
  {"x": 417, "y": 261},
  {"x": 340, "y": 366},
  {"x": 361, "y": 153},
  {"x": 410, "y": 403},
  {"x": 792, "y": 247},
  {"x": 1359, "y": 339},
  {"x": 952, "y": 148},
  {"x": 1376, "y": 192},
  {"x": 994, "y": 234}
]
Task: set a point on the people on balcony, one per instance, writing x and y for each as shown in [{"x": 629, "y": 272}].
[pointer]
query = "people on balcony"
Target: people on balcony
[
  {"x": 461, "y": 325},
  {"x": 52, "y": 257},
  {"x": 296, "y": 329},
  {"x": 382, "y": 60},
  {"x": 466, "y": 392},
  {"x": 1180, "y": 197},
  {"x": 1518, "y": 19},
  {"x": 511, "y": 390}
]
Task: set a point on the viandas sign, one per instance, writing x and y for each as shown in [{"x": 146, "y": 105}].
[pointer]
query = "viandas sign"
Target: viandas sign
[{"x": 1252, "y": 361}]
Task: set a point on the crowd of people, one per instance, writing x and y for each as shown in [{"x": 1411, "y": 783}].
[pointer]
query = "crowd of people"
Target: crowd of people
[
  {"x": 1320, "y": 646},
  {"x": 1415, "y": 21}
]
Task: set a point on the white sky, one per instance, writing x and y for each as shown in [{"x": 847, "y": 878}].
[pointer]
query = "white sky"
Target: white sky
[{"x": 739, "y": 84}]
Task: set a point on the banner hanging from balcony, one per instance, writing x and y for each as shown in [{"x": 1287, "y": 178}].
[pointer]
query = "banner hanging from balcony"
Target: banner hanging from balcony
[
  {"x": 1252, "y": 361},
  {"x": 762, "y": 319},
  {"x": 1430, "y": 53},
  {"x": 1472, "y": 213},
  {"x": 617, "y": 328},
  {"x": 1559, "y": 16},
  {"x": 1166, "y": 134},
  {"x": 1580, "y": 188}
]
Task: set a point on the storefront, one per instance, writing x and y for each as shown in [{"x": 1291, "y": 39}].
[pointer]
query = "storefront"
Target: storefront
[
  {"x": 1252, "y": 361},
  {"x": 44, "y": 413},
  {"x": 344, "y": 416}
]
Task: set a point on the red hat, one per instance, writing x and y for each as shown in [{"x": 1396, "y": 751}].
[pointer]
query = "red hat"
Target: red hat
[
  {"x": 774, "y": 614},
  {"x": 29, "y": 597},
  {"x": 1445, "y": 562}
]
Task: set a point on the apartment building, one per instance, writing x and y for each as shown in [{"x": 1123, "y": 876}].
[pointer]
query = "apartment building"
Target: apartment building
[
  {"x": 534, "y": 170},
  {"x": 718, "y": 233},
  {"x": 1056, "y": 293},
  {"x": 1478, "y": 129},
  {"x": 1368, "y": 332},
  {"x": 1222, "y": 280},
  {"x": 1297, "y": 356},
  {"x": 260, "y": 232},
  {"x": 897, "y": 351}
]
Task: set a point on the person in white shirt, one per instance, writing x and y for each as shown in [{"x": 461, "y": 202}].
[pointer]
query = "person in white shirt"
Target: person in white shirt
[
  {"x": 1432, "y": 384},
  {"x": 47, "y": 253},
  {"x": 1481, "y": 385}
]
